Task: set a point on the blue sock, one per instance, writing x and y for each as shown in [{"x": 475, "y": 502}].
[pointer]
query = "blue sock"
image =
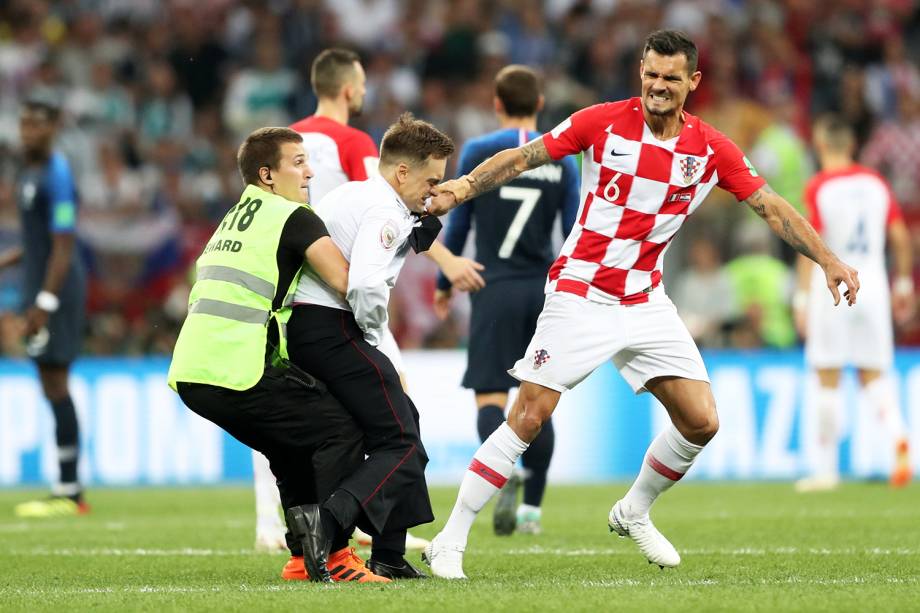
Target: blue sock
[
  {"x": 536, "y": 460},
  {"x": 488, "y": 420}
]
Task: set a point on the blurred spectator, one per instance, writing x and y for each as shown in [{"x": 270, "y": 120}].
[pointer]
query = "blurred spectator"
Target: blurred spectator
[
  {"x": 762, "y": 287},
  {"x": 780, "y": 156},
  {"x": 704, "y": 294},
  {"x": 166, "y": 111},
  {"x": 261, "y": 95},
  {"x": 894, "y": 149}
]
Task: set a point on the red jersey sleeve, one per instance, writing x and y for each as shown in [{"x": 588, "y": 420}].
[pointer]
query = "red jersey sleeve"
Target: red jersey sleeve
[
  {"x": 810, "y": 197},
  {"x": 353, "y": 154},
  {"x": 894, "y": 209},
  {"x": 576, "y": 133},
  {"x": 736, "y": 174}
]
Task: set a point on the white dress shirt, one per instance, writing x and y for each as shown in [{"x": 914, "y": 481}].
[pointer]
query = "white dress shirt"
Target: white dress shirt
[{"x": 370, "y": 224}]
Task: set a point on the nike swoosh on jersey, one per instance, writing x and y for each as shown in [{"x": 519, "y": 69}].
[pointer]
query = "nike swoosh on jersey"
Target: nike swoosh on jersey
[{"x": 614, "y": 152}]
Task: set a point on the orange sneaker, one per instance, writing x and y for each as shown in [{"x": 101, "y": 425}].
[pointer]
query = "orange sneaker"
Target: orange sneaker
[
  {"x": 902, "y": 473},
  {"x": 294, "y": 570},
  {"x": 344, "y": 565}
]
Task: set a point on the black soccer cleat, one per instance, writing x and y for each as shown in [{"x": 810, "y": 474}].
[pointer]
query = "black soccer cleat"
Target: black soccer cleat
[
  {"x": 307, "y": 527},
  {"x": 405, "y": 571},
  {"x": 504, "y": 517}
]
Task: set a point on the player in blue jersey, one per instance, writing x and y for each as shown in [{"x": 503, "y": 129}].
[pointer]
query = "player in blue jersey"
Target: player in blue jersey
[
  {"x": 53, "y": 291},
  {"x": 514, "y": 227}
]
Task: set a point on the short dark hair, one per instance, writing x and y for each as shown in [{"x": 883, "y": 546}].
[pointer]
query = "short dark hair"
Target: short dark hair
[
  {"x": 837, "y": 131},
  {"x": 414, "y": 140},
  {"x": 518, "y": 88},
  {"x": 263, "y": 148},
  {"x": 330, "y": 70},
  {"x": 672, "y": 42},
  {"x": 43, "y": 103}
]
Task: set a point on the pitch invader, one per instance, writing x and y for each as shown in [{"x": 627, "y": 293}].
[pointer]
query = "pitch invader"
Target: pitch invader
[
  {"x": 647, "y": 165},
  {"x": 854, "y": 209},
  {"x": 514, "y": 228}
]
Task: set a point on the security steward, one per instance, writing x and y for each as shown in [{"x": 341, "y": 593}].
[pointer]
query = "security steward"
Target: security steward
[{"x": 230, "y": 361}]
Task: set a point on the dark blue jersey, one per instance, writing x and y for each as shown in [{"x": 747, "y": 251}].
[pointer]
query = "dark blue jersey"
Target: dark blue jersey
[
  {"x": 47, "y": 198},
  {"x": 513, "y": 223}
]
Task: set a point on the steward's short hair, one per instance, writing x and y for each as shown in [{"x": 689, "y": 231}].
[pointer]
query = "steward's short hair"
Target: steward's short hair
[
  {"x": 263, "y": 148},
  {"x": 518, "y": 88},
  {"x": 413, "y": 140},
  {"x": 672, "y": 42},
  {"x": 330, "y": 70}
]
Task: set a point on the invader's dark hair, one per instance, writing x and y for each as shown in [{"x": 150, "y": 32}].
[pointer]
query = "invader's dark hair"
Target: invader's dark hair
[
  {"x": 672, "y": 42},
  {"x": 836, "y": 131}
]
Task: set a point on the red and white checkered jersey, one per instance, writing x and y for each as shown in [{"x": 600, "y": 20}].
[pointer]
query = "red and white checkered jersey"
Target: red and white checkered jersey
[
  {"x": 337, "y": 154},
  {"x": 852, "y": 208},
  {"x": 636, "y": 191}
]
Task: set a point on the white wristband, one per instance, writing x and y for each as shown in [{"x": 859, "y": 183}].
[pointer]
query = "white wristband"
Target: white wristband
[
  {"x": 47, "y": 301},
  {"x": 903, "y": 286}
]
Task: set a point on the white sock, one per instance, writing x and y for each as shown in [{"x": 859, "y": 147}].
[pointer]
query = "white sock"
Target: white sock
[
  {"x": 668, "y": 458},
  {"x": 268, "y": 500},
  {"x": 829, "y": 405},
  {"x": 491, "y": 466},
  {"x": 881, "y": 397}
]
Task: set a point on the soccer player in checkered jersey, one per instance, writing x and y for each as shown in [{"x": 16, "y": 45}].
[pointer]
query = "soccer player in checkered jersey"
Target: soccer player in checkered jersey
[
  {"x": 340, "y": 153},
  {"x": 647, "y": 165},
  {"x": 853, "y": 208}
]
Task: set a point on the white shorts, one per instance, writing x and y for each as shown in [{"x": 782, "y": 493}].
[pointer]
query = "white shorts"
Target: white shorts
[
  {"x": 574, "y": 336},
  {"x": 860, "y": 335},
  {"x": 389, "y": 348}
]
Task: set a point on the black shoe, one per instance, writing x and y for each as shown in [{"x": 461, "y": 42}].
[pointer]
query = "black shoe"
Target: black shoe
[
  {"x": 307, "y": 527},
  {"x": 406, "y": 571},
  {"x": 504, "y": 517}
]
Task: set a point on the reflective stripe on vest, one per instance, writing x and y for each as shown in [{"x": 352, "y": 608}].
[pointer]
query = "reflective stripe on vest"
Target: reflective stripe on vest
[
  {"x": 228, "y": 310},
  {"x": 242, "y": 278}
]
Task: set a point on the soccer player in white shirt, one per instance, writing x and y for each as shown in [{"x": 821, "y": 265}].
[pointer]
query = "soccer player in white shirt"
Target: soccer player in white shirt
[
  {"x": 647, "y": 165},
  {"x": 854, "y": 209}
]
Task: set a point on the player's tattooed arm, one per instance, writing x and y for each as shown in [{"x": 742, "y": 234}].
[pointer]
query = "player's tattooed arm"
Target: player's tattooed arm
[
  {"x": 494, "y": 172},
  {"x": 790, "y": 226},
  {"x": 506, "y": 165}
]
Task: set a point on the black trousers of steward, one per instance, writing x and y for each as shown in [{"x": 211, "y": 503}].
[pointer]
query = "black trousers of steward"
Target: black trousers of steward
[
  {"x": 310, "y": 441},
  {"x": 390, "y": 484}
]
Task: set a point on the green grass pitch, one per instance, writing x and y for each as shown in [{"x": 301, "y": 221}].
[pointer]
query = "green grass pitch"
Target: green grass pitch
[{"x": 744, "y": 547}]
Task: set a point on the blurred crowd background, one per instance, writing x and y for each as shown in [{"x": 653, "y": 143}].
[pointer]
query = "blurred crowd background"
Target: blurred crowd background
[{"x": 159, "y": 93}]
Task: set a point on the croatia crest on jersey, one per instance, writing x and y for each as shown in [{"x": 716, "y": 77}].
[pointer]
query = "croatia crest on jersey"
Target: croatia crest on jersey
[
  {"x": 690, "y": 167},
  {"x": 540, "y": 357}
]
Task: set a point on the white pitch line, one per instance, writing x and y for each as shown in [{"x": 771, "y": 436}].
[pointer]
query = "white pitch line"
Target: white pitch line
[
  {"x": 744, "y": 551},
  {"x": 619, "y": 583},
  {"x": 534, "y": 550}
]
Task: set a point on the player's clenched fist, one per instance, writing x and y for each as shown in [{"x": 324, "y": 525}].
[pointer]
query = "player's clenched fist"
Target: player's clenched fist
[{"x": 448, "y": 195}]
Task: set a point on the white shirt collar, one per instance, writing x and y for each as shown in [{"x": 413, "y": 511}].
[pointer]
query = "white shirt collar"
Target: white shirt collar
[{"x": 399, "y": 201}]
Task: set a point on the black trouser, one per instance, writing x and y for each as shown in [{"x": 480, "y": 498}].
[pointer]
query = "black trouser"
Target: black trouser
[
  {"x": 390, "y": 485},
  {"x": 310, "y": 441}
]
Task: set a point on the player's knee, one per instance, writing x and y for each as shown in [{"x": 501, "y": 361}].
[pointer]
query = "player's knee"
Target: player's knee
[
  {"x": 704, "y": 428},
  {"x": 533, "y": 408}
]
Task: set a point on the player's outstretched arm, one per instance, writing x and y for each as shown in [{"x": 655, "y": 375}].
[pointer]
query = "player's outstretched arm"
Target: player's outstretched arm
[
  {"x": 790, "y": 226},
  {"x": 494, "y": 172}
]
